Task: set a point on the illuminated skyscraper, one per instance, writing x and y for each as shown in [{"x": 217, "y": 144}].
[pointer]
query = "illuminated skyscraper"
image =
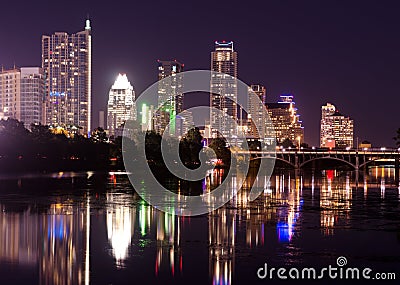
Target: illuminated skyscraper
[
  {"x": 67, "y": 64},
  {"x": 286, "y": 121},
  {"x": 121, "y": 105},
  {"x": 223, "y": 89},
  {"x": 147, "y": 120},
  {"x": 256, "y": 116},
  {"x": 260, "y": 91},
  {"x": 21, "y": 94},
  {"x": 170, "y": 97},
  {"x": 184, "y": 122},
  {"x": 337, "y": 130}
]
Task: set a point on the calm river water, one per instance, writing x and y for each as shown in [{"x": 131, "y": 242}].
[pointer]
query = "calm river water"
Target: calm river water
[{"x": 91, "y": 228}]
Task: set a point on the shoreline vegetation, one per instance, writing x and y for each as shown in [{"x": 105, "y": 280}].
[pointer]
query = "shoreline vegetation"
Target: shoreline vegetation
[{"x": 44, "y": 149}]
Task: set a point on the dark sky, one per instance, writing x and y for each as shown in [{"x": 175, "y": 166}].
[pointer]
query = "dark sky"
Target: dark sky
[{"x": 343, "y": 52}]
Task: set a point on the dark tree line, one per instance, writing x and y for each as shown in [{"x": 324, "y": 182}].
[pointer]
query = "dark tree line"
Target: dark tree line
[{"x": 41, "y": 149}]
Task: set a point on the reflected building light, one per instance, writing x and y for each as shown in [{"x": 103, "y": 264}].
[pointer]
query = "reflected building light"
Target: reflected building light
[
  {"x": 168, "y": 241},
  {"x": 288, "y": 217},
  {"x": 312, "y": 185},
  {"x": 144, "y": 218},
  {"x": 120, "y": 227},
  {"x": 267, "y": 186},
  {"x": 335, "y": 203},
  {"x": 301, "y": 183},
  {"x": 365, "y": 187},
  {"x": 87, "y": 251},
  {"x": 222, "y": 231},
  {"x": 19, "y": 237},
  {"x": 64, "y": 248}
]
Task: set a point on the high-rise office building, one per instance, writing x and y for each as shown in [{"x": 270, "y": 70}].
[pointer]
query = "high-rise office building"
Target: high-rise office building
[
  {"x": 184, "y": 123},
  {"x": 22, "y": 94},
  {"x": 285, "y": 120},
  {"x": 121, "y": 105},
  {"x": 32, "y": 95},
  {"x": 223, "y": 89},
  {"x": 10, "y": 93},
  {"x": 101, "y": 119},
  {"x": 170, "y": 96},
  {"x": 337, "y": 130},
  {"x": 256, "y": 115},
  {"x": 147, "y": 118},
  {"x": 67, "y": 64},
  {"x": 260, "y": 91}
]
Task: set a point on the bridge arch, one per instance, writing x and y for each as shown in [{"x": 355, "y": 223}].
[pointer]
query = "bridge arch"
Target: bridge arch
[
  {"x": 273, "y": 157},
  {"x": 327, "y": 158},
  {"x": 368, "y": 161}
]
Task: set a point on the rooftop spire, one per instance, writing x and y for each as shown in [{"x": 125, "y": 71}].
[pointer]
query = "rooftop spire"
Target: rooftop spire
[{"x": 87, "y": 27}]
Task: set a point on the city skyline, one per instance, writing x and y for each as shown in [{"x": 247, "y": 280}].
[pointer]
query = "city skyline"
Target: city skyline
[{"x": 315, "y": 57}]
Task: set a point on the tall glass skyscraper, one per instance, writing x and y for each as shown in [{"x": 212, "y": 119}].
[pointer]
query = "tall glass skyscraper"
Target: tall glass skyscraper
[
  {"x": 223, "y": 89},
  {"x": 67, "y": 64},
  {"x": 170, "y": 96},
  {"x": 121, "y": 105}
]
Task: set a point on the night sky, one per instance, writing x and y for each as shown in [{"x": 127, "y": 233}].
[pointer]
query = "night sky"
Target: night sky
[{"x": 343, "y": 52}]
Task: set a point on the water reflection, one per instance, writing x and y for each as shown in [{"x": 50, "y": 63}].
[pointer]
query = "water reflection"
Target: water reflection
[
  {"x": 19, "y": 237},
  {"x": 120, "y": 226},
  {"x": 56, "y": 241},
  {"x": 335, "y": 200},
  {"x": 168, "y": 237},
  {"x": 62, "y": 259},
  {"x": 221, "y": 235},
  {"x": 56, "y": 235}
]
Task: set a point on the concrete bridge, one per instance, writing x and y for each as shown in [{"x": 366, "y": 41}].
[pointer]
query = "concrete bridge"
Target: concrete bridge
[{"x": 356, "y": 159}]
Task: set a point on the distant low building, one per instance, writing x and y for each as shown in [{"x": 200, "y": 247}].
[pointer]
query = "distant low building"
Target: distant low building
[{"x": 365, "y": 144}]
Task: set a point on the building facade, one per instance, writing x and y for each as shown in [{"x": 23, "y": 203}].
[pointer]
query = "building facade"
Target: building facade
[
  {"x": 286, "y": 121},
  {"x": 256, "y": 115},
  {"x": 170, "y": 96},
  {"x": 67, "y": 64},
  {"x": 121, "y": 105},
  {"x": 223, "y": 95},
  {"x": 147, "y": 118},
  {"x": 337, "y": 130},
  {"x": 184, "y": 122},
  {"x": 22, "y": 95},
  {"x": 10, "y": 92}
]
